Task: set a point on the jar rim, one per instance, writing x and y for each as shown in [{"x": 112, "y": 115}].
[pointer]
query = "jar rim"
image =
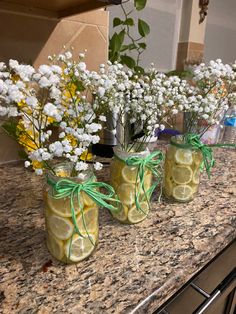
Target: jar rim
[
  {"x": 179, "y": 141},
  {"x": 122, "y": 154},
  {"x": 69, "y": 166}
]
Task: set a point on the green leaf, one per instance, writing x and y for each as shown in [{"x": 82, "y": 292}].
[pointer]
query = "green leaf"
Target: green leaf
[
  {"x": 129, "y": 22},
  {"x": 143, "y": 28},
  {"x": 113, "y": 56},
  {"x": 130, "y": 62},
  {"x": 121, "y": 37},
  {"x": 139, "y": 70},
  {"x": 124, "y": 48},
  {"x": 116, "y": 41},
  {"x": 142, "y": 45},
  {"x": 117, "y": 21},
  {"x": 140, "y": 4},
  {"x": 128, "y": 47},
  {"x": 10, "y": 127}
]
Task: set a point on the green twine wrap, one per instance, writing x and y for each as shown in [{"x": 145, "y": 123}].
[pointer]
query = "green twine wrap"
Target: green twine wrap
[
  {"x": 68, "y": 188},
  {"x": 193, "y": 141},
  {"x": 151, "y": 162}
]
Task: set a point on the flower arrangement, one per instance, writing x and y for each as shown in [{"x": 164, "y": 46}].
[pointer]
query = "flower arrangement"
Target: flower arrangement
[
  {"x": 140, "y": 104},
  {"x": 53, "y": 95},
  {"x": 210, "y": 96}
]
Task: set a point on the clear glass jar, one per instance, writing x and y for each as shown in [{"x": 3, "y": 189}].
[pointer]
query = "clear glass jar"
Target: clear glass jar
[
  {"x": 63, "y": 242},
  {"x": 126, "y": 183},
  {"x": 181, "y": 170}
]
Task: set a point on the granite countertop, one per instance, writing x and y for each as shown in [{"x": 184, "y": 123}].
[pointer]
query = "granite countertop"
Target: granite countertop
[{"x": 137, "y": 266}]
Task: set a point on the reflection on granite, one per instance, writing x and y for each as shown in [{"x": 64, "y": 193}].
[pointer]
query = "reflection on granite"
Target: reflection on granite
[{"x": 154, "y": 258}]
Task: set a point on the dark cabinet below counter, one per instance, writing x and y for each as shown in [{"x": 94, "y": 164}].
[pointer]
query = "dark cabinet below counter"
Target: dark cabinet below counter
[{"x": 211, "y": 291}]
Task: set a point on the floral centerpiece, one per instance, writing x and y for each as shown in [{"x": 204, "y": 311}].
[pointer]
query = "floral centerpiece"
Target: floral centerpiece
[
  {"x": 138, "y": 104},
  {"x": 51, "y": 115},
  {"x": 206, "y": 101}
]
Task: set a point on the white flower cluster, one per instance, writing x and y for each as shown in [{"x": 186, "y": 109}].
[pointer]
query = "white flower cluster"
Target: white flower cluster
[
  {"x": 213, "y": 90},
  {"x": 77, "y": 101},
  {"x": 51, "y": 95}
]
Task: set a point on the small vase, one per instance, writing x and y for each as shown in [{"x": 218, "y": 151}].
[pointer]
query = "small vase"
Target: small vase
[
  {"x": 182, "y": 170},
  {"x": 126, "y": 182},
  {"x": 64, "y": 241}
]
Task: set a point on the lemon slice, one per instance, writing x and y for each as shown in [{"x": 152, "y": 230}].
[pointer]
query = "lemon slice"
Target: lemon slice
[
  {"x": 62, "y": 207},
  {"x": 167, "y": 168},
  {"x": 87, "y": 200},
  {"x": 197, "y": 158},
  {"x": 122, "y": 214},
  {"x": 194, "y": 188},
  {"x": 168, "y": 187},
  {"x": 62, "y": 228},
  {"x": 147, "y": 180},
  {"x": 135, "y": 215},
  {"x": 182, "y": 192},
  {"x": 196, "y": 176},
  {"x": 79, "y": 247},
  {"x": 126, "y": 193},
  {"x": 182, "y": 174},
  {"x": 90, "y": 220},
  {"x": 184, "y": 156},
  {"x": 170, "y": 153},
  {"x": 55, "y": 246},
  {"x": 129, "y": 174}
]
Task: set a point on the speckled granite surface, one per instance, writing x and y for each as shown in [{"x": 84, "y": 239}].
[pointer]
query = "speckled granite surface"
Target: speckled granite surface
[{"x": 154, "y": 257}]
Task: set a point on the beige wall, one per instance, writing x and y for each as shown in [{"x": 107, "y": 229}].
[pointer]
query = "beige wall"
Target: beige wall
[
  {"x": 31, "y": 40},
  {"x": 163, "y": 16},
  {"x": 220, "y": 41}
]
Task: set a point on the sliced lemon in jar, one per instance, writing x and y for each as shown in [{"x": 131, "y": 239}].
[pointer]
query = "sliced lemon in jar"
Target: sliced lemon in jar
[
  {"x": 196, "y": 176},
  {"x": 126, "y": 193},
  {"x": 170, "y": 153},
  {"x": 55, "y": 246},
  {"x": 168, "y": 186},
  {"x": 136, "y": 215},
  {"x": 194, "y": 188},
  {"x": 197, "y": 158},
  {"x": 88, "y": 221},
  {"x": 184, "y": 156},
  {"x": 62, "y": 228},
  {"x": 62, "y": 206},
  {"x": 182, "y": 192},
  {"x": 182, "y": 174},
  {"x": 78, "y": 248},
  {"x": 129, "y": 174},
  {"x": 87, "y": 200},
  {"x": 167, "y": 167},
  {"x": 147, "y": 179},
  {"x": 122, "y": 214}
]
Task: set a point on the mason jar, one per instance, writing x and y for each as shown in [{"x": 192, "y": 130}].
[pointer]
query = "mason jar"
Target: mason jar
[
  {"x": 67, "y": 241},
  {"x": 181, "y": 170},
  {"x": 126, "y": 183}
]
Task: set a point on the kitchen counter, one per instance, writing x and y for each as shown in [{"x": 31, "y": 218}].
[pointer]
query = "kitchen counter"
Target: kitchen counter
[{"x": 139, "y": 266}]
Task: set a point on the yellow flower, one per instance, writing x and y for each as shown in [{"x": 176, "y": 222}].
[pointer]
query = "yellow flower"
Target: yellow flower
[
  {"x": 26, "y": 138},
  {"x": 70, "y": 90},
  {"x": 37, "y": 164},
  {"x": 72, "y": 140},
  {"x": 86, "y": 156}
]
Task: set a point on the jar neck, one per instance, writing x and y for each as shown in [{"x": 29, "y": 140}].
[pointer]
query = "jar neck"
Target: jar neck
[
  {"x": 179, "y": 141},
  {"x": 123, "y": 155},
  {"x": 64, "y": 170}
]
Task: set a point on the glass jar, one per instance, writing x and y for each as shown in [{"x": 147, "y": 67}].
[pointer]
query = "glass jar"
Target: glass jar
[
  {"x": 64, "y": 241},
  {"x": 126, "y": 183},
  {"x": 181, "y": 170}
]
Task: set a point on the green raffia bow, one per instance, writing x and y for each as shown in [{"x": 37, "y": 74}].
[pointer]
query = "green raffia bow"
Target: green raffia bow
[
  {"x": 192, "y": 141},
  {"x": 151, "y": 162},
  {"x": 67, "y": 188}
]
